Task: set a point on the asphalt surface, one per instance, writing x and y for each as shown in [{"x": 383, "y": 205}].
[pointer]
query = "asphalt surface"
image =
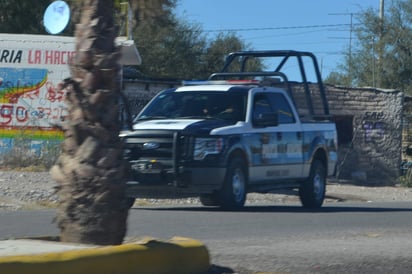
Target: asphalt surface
[{"x": 340, "y": 238}]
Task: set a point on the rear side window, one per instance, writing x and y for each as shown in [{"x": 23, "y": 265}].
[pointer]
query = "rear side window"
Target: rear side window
[{"x": 282, "y": 107}]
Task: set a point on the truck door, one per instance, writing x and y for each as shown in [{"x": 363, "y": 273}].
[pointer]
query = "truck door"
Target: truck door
[{"x": 277, "y": 150}]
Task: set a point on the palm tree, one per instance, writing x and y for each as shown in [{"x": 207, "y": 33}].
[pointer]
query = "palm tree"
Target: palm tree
[{"x": 90, "y": 170}]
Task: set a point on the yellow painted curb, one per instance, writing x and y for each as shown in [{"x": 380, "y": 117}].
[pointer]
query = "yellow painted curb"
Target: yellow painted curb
[{"x": 178, "y": 255}]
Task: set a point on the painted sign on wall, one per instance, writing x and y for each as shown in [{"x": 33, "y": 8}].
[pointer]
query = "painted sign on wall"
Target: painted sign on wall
[
  {"x": 373, "y": 126},
  {"x": 31, "y": 69}
]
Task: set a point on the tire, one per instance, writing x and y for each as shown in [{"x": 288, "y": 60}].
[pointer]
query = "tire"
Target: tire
[
  {"x": 232, "y": 196},
  {"x": 312, "y": 192},
  {"x": 209, "y": 200}
]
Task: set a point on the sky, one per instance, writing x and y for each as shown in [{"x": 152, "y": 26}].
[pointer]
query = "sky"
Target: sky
[{"x": 319, "y": 26}]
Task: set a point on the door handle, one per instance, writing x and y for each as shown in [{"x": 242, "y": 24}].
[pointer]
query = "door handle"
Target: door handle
[{"x": 279, "y": 135}]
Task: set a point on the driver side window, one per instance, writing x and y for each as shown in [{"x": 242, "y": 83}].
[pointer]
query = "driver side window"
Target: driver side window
[{"x": 261, "y": 105}]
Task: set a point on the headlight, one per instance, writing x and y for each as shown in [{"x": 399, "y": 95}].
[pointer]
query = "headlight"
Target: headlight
[{"x": 206, "y": 146}]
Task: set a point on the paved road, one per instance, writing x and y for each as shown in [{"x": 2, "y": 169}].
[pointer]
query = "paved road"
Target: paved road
[{"x": 341, "y": 238}]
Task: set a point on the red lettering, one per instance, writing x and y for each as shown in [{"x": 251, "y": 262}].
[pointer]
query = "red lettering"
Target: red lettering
[
  {"x": 6, "y": 112},
  {"x": 34, "y": 57},
  {"x": 71, "y": 56},
  {"x": 30, "y": 60},
  {"x": 56, "y": 57},
  {"x": 37, "y": 56},
  {"x": 63, "y": 58},
  {"x": 21, "y": 114},
  {"x": 56, "y": 113},
  {"x": 49, "y": 57}
]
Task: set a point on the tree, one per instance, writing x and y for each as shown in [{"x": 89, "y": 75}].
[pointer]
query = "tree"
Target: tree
[
  {"x": 172, "y": 51},
  {"x": 22, "y": 16},
  {"x": 90, "y": 170},
  {"x": 382, "y": 56},
  {"x": 219, "y": 48},
  {"x": 396, "y": 65},
  {"x": 159, "y": 11}
]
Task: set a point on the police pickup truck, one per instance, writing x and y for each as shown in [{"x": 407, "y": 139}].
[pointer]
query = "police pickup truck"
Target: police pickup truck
[{"x": 238, "y": 132}]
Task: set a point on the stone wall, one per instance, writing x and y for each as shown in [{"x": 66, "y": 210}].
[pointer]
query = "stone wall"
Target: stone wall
[
  {"x": 368, "y": 121},
  {"x": 374, "y": 154}
]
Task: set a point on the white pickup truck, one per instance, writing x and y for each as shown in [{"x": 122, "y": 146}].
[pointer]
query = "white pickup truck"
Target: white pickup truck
[{"x": 238, "y": 132}]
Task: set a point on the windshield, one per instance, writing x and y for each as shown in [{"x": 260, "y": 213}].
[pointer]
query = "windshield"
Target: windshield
[{"x": 229, "y": 106}]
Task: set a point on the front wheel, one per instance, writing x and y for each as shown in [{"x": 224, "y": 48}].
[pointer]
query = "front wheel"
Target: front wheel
[
  {"x": 209, "y": 200},
  {"x": 312, "y": 192},
  {"x": 232, "y": 196}
]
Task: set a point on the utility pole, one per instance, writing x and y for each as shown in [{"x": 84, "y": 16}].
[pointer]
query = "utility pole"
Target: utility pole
[
  {"x": 350, "y": 50},
  {"x": 381, "y": 42}
]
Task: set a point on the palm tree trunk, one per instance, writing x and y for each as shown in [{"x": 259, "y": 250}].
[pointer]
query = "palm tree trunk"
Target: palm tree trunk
[{"x": 90, "y": 170}]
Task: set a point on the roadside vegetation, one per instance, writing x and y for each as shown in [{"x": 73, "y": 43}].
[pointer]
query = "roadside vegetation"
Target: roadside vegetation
[{"x": 379, "y": 55}]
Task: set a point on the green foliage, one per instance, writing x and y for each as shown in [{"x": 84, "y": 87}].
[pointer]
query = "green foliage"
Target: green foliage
[
  {"x": 382, "y": 55},
  {"x": 336, "y": 78},
  {"x": 181, "y": 51},
  {"x": 170, "y": 51},
  {"x": 22, "y": 16},
  {"x": 219, "y": 47}
]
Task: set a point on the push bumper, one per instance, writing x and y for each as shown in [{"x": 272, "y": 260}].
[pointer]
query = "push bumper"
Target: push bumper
[{"x": 187, "y": 182}]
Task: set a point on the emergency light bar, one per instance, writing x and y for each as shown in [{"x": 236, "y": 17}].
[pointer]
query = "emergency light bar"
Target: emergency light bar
[{"x": 219, "y": 82}]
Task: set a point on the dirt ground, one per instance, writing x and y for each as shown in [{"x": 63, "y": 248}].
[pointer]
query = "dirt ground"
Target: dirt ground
[{"x": 25, "y": 190}]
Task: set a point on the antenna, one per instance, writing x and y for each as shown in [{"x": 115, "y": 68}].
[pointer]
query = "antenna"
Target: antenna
[{"x": 56, "y": 17}]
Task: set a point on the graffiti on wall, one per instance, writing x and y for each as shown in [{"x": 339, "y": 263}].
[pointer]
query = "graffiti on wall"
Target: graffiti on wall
[
  {"x": 30, "y": 104},
  {"x": 373, "y": 126}
]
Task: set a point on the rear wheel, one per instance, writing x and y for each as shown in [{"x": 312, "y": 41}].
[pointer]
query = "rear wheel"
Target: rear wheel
[
  {"x": 312, "y": 192},
  {"x": 232, "y": 196}
]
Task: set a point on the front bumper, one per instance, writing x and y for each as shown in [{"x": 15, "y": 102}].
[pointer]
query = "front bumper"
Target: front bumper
[{"x": 167, "y": 183}]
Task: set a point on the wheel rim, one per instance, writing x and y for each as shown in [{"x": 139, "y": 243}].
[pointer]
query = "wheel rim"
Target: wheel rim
[
  {"x": 318, "y": 186},
  {"x": 238, "y": 185}
]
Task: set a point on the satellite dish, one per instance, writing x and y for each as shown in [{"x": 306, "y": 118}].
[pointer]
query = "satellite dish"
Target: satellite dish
[{"x": 56, "y": 17}]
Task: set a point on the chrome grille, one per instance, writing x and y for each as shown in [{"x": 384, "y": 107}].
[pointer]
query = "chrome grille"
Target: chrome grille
[{"x": 158, "y": 145}]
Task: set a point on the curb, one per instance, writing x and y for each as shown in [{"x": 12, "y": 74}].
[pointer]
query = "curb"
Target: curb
[{"x": 178, "y": 255}]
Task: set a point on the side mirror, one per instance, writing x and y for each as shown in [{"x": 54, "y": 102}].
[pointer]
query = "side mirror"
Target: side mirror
[{"x": 269, "y": 119}]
